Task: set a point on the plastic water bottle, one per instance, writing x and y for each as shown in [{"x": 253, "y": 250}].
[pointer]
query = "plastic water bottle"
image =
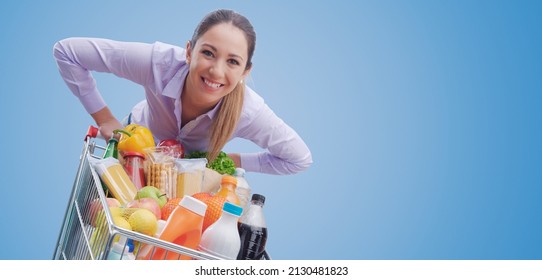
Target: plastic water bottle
[
  {"x": 243, "y": 189},
  {"x": 253, "y": 231},
  {"x": 129, "y": 256},
  {"x": 122, "y": 250},
  {"x": 221, "y": 239}
]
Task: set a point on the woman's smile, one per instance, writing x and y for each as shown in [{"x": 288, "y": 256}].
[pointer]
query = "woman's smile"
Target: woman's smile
[{"x": 211, "y": 84}]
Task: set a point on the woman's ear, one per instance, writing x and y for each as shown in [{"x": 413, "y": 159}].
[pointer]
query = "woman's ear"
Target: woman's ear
[
  {"x": 247, "y": 71},
  {"x": 188, "y": 52}
]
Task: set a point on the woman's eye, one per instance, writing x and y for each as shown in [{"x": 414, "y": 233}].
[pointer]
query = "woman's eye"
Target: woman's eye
[
  {"x": 207, "y": 53},
  {"x": 234, "y": 62}
]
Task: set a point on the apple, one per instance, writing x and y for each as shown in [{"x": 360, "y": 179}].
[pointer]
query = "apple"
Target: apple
[
  {"x": 174, "y": 147},
  {"x": 154, "y": 193},
  {"x": 96, "y": 206},
  {"x": 146, "y": 203}
]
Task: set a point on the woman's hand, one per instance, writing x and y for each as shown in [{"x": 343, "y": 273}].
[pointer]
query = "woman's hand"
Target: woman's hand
[
  {"x": 106, "y": 129},
  {"x": 106, "y": 122},
  {"x": 236, "y": 158}
]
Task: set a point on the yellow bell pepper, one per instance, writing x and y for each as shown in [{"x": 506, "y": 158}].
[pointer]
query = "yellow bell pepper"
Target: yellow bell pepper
[{"x": 135, "y": 138}]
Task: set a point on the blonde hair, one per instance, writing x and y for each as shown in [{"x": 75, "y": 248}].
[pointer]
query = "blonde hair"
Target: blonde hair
[{"x": 226, "y": 121}]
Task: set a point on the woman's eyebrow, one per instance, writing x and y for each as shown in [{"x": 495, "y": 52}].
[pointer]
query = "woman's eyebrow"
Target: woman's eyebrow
[{"x": 216, "y": 50}]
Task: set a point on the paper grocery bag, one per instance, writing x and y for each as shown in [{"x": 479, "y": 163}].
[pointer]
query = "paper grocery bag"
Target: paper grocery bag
[{"x": 211, "y": 181}]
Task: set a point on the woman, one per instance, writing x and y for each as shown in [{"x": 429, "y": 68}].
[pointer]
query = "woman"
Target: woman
[{"x": 196, "y": 95}]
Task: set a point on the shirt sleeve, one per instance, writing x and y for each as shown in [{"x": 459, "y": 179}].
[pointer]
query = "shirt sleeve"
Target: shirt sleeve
[
  {"x": 77, "y": 57},
  {"x": 286, "y": 153}
]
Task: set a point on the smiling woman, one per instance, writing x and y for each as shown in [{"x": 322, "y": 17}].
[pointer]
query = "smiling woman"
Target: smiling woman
[
  {"x": 218, "y": 63},
  {"x": 195, "y": 95}
]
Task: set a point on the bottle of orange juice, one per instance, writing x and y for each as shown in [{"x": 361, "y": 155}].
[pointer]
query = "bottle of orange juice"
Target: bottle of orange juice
[
  {"x": 183, "y": 227},
  {"x": 227, "y": 189}
]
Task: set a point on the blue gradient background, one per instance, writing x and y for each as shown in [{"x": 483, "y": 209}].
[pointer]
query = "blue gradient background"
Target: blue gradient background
[{"x": 423, "y": 118}]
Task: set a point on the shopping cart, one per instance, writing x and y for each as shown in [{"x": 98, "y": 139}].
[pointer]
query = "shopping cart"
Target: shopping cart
[{"x": 79, "y": 240}]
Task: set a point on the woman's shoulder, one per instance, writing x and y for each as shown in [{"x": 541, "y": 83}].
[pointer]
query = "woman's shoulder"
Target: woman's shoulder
[
  {"x": 164, "y": 53},
  {"x": 167, "y": 61},
  {"x": 252, "y": 103}
]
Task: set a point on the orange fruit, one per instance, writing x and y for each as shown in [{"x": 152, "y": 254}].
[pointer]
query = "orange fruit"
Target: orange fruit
[
  {"x": 203, "y": 196},
  {"x": 168, "y": 208},
  {"x": 214, "y": 210}
]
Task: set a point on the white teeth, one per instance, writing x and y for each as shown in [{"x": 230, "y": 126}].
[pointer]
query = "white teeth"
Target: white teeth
[{"x": 211, "y": 84}]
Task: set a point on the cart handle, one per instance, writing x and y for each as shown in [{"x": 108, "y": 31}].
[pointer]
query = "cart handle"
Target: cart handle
[{"x": 93, "y": 132}]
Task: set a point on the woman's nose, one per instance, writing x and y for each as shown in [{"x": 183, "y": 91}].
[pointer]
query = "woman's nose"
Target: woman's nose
[{"x": 217, "y": 70}]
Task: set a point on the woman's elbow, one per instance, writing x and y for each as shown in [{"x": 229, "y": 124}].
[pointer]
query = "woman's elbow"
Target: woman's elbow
[
  {"x": 59, "y": 51},
  {"x": 301, "y": 165}
]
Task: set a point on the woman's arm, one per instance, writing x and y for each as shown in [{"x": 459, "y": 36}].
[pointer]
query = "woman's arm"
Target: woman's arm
[
  {"x": 78, "y": 57},
  {"x": 106, "y": 122},
  {"x": 286, "y": 152}
]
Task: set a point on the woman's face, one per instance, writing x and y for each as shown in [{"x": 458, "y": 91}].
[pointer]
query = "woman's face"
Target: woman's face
[{"x": 217, "y": 64}]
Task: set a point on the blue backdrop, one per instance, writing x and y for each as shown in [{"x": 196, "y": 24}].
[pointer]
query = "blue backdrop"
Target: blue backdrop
[{"x": 423, "y": 118}]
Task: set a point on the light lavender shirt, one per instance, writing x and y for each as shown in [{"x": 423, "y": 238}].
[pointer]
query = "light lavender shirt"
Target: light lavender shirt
[{"x": 162, "y": 69}]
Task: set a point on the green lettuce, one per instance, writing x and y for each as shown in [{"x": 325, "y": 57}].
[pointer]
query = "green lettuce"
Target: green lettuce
[{"x": 223, "y": 164}]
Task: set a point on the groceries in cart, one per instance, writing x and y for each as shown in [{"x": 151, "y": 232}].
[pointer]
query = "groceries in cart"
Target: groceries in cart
[
  {"x": 116, "y": 179},
  {"x": 162, "y": 193},
  {"x": 134, "y": 138}
]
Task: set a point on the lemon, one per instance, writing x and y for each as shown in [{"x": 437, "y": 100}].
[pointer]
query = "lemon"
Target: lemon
[
  {"x": 100, "y": 217},
  {"x": 127, "y": 212},
  {"x": 122, "y": 223},
  {"x": 143, "y": 221},
  {"x": 115, "y": 211}
]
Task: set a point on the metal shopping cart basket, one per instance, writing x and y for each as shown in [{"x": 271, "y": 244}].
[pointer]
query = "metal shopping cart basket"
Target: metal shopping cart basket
[{"x": 78, "y": 239}]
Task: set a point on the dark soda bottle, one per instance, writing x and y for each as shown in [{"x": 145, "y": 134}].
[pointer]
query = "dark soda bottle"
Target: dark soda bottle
[{"x": 253, "y": 230}]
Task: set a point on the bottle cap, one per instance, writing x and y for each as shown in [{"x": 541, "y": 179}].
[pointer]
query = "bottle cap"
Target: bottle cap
[
  {"x": 240, "y": 172},
  {"x": 193, "y": 204},
  {"x": 229, "y": 179},
  {"x": 258, "y": 197},
  {"x": 232, "y": 208},
  {"x": 133, "y": 154},
  {"x": 130, "y": 245}
]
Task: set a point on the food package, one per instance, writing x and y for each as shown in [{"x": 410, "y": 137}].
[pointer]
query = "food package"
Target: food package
[
  {"x": 211, "y": 181},
  {"x": 160, "y": 169},
  {"x": 190, "y": 174},
  {"x": 116, "y": 179}
]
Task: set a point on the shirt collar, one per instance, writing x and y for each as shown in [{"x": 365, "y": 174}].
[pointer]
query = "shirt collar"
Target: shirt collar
[
  {"x": 211, "y": 114},
  {"x": 175, "y": 86}
]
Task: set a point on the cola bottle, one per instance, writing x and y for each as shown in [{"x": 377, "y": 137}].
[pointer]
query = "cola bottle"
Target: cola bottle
[{"x": 253, "y": 230}]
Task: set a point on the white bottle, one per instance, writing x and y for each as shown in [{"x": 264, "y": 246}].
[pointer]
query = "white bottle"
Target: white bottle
[
  {"x": 222, "y": 239},
  {"x": 243, "y": 189},
  {"x": 129, "y": 256},
  {"x": 122, "y": 250}
]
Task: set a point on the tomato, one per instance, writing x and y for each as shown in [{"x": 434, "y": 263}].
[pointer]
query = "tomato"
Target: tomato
[{"x": 175, "y": 147}]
